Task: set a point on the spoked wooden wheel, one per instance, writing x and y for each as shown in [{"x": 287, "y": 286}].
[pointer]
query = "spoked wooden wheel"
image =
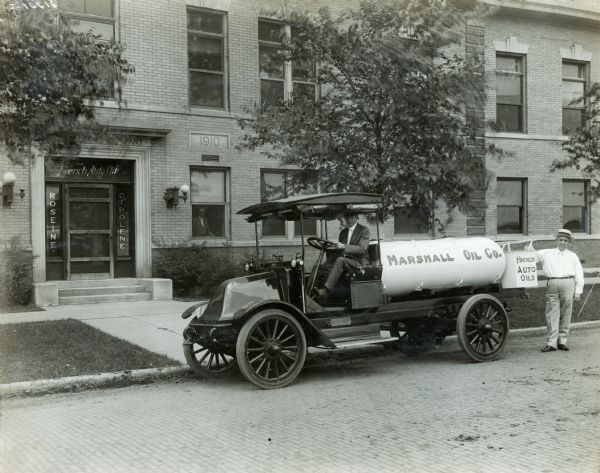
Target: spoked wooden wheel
[
  {"x": 271, "y": 349},
  {"x": 208, "y": 361},
  {"x": 482, "y": 327}
]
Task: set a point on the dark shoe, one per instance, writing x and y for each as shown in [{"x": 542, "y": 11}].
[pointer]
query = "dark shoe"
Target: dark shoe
[
  {"x": 563, "y": 347},
  {"x": 547, "y": 348}
]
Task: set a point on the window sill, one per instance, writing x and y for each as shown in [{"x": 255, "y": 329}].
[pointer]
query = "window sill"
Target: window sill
[
  {"x": 107, "y": 103},
  {"x": 525, "y": 136},
  {"x": 410, "y": 236},
  {"x": 209, "y": 112},
  {"x": 208, "y": 238},
  {"x": 540, "y": 237},
  {"x": 275, "y": 241}
]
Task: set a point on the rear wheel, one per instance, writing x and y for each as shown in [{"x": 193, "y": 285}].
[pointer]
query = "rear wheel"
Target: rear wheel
[
  {"x": 271, "y": 349},
  {"x": 482, "y": 327},
  {"x": 208, "y": 361}
]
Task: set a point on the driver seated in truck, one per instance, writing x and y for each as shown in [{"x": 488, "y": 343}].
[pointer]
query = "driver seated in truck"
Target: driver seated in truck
[{"x": 353, "y": 244}]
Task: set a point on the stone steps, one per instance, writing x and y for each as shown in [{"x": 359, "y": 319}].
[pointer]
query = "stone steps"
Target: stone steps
[
  {"x": 97, "y": 298},
  {"x": 102, "y": 290},
  {"x": 94, "y": 291},
  {"x": 93, "y": 283}
]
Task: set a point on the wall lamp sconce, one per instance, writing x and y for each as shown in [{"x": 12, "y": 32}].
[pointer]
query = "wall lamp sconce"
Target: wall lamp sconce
[
  {"x": 173, "y": 194},
  {"x": 8, "y": 184}
]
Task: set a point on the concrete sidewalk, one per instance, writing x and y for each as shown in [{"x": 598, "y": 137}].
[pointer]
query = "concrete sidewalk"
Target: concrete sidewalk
[{"x": 154, "y": 325}]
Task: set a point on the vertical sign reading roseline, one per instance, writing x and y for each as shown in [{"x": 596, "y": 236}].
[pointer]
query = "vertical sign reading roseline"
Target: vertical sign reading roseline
[{"x": 54, "y": 247}]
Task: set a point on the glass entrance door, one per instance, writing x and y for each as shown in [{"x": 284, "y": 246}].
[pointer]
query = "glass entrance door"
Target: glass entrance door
[{"x": 89, "y": 230}]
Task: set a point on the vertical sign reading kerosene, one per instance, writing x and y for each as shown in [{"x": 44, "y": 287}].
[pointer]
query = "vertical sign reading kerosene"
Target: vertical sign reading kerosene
[{"x": 54, "y": 246}]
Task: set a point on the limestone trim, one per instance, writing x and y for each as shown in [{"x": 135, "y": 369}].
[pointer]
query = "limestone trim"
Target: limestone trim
[
  {"x": 511, "y": 45},
  {"x": 576, "y": 53},
  {"x": 38, "y": 218},
  {"x": 222, "y": 5},
  {"x": 143, "y": 237}
]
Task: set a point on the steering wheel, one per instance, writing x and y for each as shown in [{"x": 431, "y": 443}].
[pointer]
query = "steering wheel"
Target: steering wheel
[{"x": 321, "y": 244}]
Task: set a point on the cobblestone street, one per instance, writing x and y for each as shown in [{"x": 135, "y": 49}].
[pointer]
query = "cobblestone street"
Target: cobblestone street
[{"x": 527, "y": 412}]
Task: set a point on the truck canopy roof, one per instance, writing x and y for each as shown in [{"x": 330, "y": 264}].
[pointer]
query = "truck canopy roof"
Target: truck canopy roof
[{"x": 322, "y": 206}]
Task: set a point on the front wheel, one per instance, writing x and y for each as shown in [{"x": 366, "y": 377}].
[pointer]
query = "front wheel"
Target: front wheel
[
  {"x": 271, "y": 349},
  {"x": 482, "y": 327},
  {"x": 208, "y": 361}
]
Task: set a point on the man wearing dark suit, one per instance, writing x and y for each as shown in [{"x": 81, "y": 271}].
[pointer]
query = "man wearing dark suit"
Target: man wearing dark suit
[
  {"x": 354, "y": 245},
  {"x": 200, "y": 225}
]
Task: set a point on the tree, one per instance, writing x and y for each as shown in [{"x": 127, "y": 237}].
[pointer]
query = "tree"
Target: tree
[
  {"x": 583, "y": 145},
  {"x": 391, "y": 116},
  {"x": 49, "y": 77}
]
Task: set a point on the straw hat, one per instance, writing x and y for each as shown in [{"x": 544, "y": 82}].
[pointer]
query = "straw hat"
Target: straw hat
[{"x": 564, "y": 232}]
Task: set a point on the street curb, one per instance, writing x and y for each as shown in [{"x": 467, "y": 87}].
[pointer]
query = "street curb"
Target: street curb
[
  {"x": 85, "y": 382},
  {"x": 126, "y": 378}
]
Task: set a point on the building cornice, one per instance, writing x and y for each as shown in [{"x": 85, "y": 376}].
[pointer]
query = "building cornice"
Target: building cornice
[{"x": 585, "y": 13}]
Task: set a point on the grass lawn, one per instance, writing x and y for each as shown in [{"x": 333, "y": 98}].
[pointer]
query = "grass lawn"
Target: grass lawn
[
  {"x": 530, "y": 313},
  {"x": 53, "y": 349}
]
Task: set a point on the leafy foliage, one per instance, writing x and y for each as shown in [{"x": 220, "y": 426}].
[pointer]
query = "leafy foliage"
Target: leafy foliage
[
  {"x": 583, "y": 145},
  {"x": 390, "y": 118},
  {"x": 16, "y": 273},
  {"x": 49, "y": 76},
  {"x": 196, "y": 269}
]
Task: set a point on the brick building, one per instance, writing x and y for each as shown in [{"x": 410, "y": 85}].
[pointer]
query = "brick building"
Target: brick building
[
  {"x": 539, "y": 55},
  {"x": 198, "y": 66}
]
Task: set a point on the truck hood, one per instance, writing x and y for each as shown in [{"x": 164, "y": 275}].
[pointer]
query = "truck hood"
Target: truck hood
[{"x": 237, "y": 293}]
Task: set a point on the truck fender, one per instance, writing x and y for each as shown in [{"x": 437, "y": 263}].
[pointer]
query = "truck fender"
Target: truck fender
[{"x": 313, "y": 335}]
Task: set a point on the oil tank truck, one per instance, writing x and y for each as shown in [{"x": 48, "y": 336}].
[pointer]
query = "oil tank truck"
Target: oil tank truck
[{"x": 415, "y": 293}]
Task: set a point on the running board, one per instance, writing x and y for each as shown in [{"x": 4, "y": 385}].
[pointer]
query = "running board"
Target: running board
[{"x": 360, "y": 342}]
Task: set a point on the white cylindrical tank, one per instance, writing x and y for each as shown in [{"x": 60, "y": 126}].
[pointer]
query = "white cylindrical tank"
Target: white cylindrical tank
[{"x": 440, "y": 264}]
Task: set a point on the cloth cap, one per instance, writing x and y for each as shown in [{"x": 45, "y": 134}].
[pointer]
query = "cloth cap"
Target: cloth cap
[{"x": 564, "y": 232}]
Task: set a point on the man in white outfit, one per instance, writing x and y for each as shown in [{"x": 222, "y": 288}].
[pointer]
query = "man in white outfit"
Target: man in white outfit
[{"x": 565, "y": 283}]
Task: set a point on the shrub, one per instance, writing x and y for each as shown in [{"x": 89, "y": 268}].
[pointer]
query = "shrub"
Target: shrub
[
  {"x": 197, "y": 269},
  {"x": 16, "y": 273}
]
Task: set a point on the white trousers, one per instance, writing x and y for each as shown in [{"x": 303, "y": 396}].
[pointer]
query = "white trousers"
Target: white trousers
[{"x": 559, "y": 307}]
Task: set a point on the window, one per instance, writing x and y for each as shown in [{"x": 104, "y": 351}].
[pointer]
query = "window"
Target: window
[
  {"x": 95, "y": 15},
  {"x": 573, "y": 88},
  {"x": 270, "y": 36},
  {"x": 206, "y": 58},
  {"x": 278, "y": 185},
  {"x": 210, "y": 206},
  {"x": 510, "y": 93},
  {"x": 409, "y": 220},
  {"x": 575, "y": 206},
  {"x": 278, "y": 82},
  {"x": 303, "y": 74},
  {"x": 511, "y": 215}
]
